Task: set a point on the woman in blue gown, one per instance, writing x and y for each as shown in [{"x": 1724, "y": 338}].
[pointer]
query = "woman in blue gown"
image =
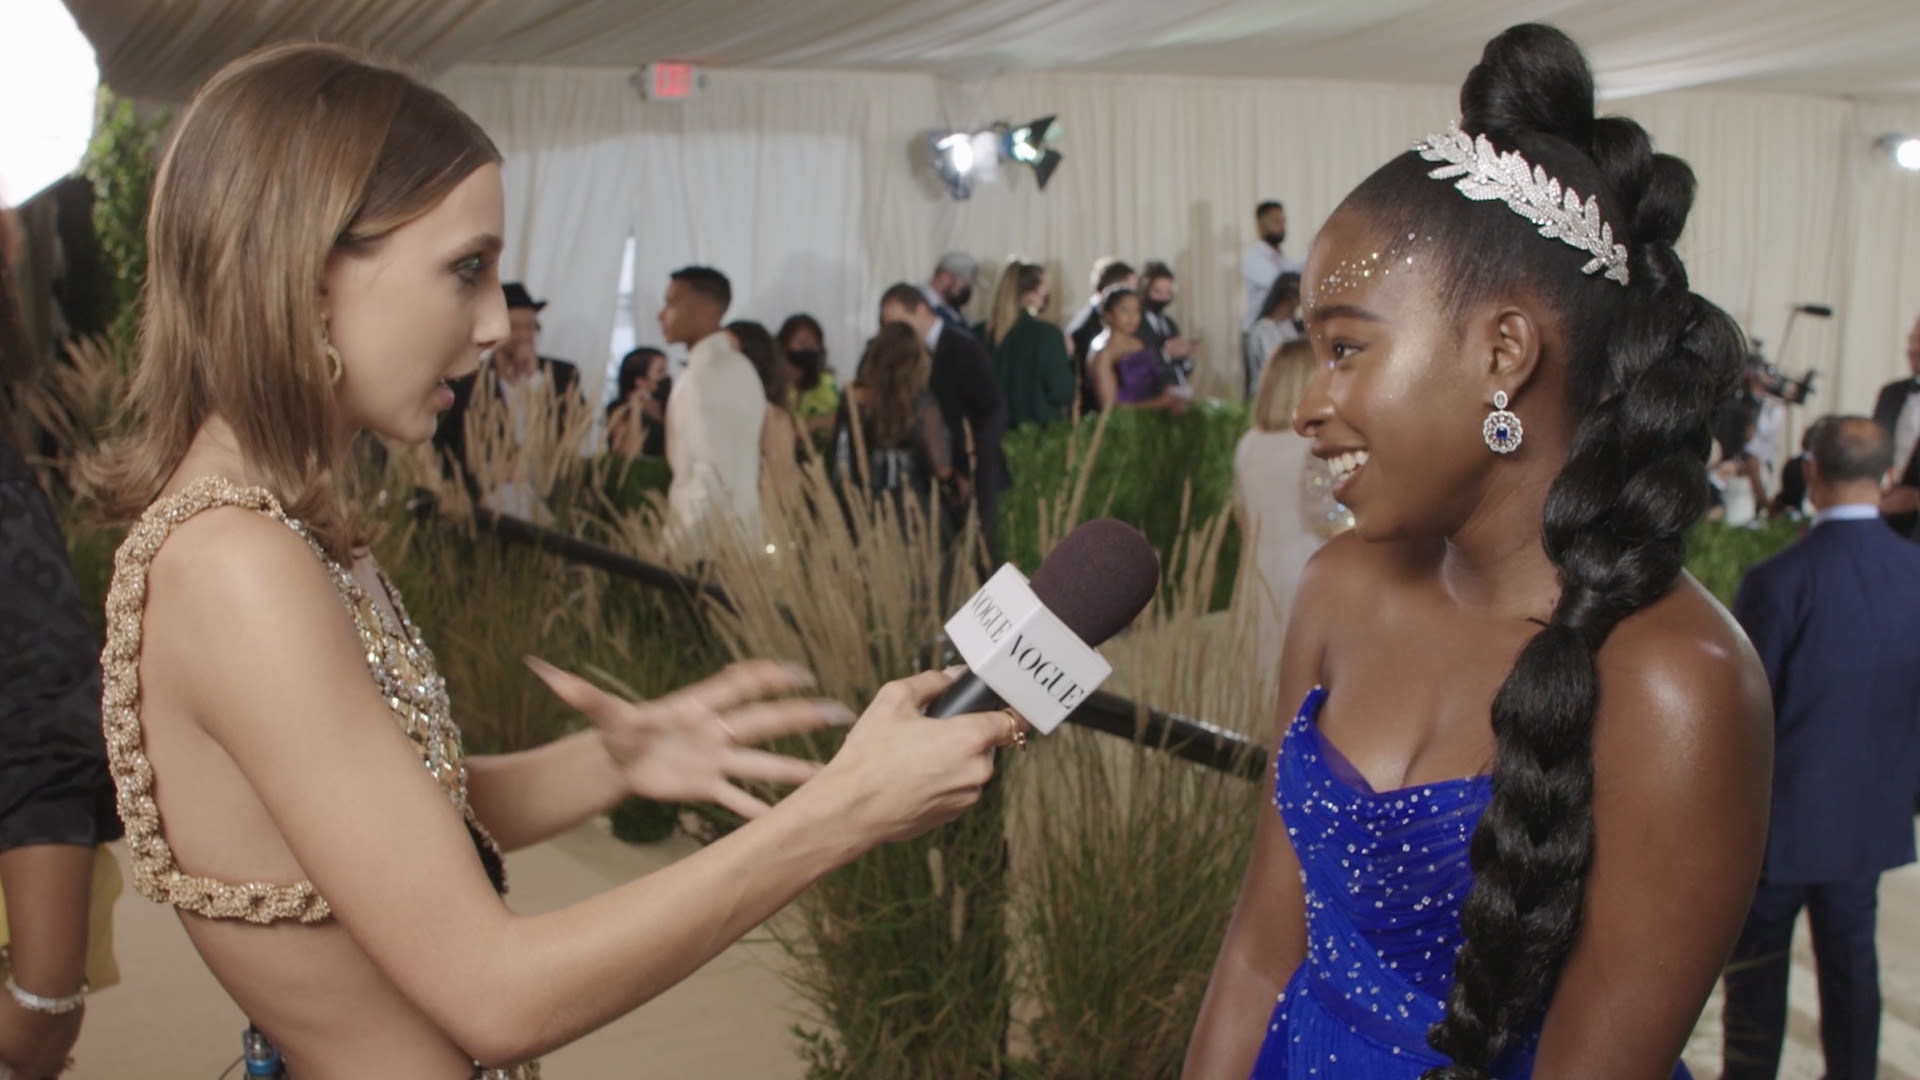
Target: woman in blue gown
[{"x": 1519, "y": 814}]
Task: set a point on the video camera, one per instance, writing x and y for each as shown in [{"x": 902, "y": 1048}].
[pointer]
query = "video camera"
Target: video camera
[{"x": 1775, "y": 383}]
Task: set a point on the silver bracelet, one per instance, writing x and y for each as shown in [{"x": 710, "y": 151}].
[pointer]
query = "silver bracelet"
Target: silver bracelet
[{"x": 46, "y": 1006}]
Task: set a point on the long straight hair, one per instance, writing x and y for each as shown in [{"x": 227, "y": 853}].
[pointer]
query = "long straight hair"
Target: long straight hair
[
  {"x": 285, "y": 157},
  {"x": 1019, "y": 279}
]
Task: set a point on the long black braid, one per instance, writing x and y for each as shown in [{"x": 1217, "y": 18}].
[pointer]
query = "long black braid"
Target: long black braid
[{"x": 1648, "y": 365}]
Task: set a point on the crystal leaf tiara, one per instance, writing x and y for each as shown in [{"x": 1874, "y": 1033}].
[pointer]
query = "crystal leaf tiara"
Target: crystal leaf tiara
[{"x": 1486, "y": 174}]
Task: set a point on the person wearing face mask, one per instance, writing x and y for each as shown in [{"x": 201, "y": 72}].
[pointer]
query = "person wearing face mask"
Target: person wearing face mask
[
  {"x": 815, "y": 397},
  {"x": 1265, "y": 261},
  {"x": 1030, "y": 360},
  {"x": 1158, "y": 328},
  {"x": 950, "y": 289},
  {"x": 637, "y": 417}
]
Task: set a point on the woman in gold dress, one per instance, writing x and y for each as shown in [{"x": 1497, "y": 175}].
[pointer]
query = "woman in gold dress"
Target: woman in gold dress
[{"x": 323, "y": 247}]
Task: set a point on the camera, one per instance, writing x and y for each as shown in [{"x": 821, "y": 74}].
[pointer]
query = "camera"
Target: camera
[{"x": 1774, "y": 383}]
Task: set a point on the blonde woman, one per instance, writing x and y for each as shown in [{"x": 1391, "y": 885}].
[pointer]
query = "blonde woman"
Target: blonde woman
[
  {"x": 1030, "y": 358},
  {"x": 1279, "y": 495},
  {"x": 323, "y": 255}
]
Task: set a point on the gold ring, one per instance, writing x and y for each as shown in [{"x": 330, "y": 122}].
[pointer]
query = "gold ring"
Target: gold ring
[{"x": 1016, "y": 737}]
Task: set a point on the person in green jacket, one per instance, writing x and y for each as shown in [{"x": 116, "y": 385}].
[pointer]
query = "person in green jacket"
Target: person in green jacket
[{"x": 1030, "y": 357}]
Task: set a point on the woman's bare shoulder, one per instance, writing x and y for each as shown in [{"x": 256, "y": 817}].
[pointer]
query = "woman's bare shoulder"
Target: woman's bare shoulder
[
  {"x": 1681, "y": 674},
  {"x": 228, "y": 575}
]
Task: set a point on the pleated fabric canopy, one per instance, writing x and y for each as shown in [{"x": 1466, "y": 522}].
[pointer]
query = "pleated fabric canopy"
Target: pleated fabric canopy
[{"x": 162, "y": 49}]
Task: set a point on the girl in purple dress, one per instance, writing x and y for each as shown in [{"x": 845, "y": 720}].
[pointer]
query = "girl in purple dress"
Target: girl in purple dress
[
  {"x": 1127, "y": 371},
  {"x": 1519, "y": 819}
]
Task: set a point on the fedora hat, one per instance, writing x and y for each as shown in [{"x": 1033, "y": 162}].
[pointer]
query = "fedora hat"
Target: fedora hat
[{"x": 519, "y": 297}]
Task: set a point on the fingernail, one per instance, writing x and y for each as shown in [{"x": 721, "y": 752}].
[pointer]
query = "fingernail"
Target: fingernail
[
  {"x": 539, "y": 666},
  {"x": 839, "y": 715},
  {"x": 955, "y": 671},
  {"x": 798, "y": 675}
]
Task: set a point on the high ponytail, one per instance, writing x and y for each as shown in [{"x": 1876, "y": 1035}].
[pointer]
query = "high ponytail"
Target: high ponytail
[{"x": 1647, "y": 366}]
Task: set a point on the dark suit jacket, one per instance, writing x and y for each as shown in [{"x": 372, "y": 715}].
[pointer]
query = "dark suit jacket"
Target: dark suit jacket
[
  {"x": 962, "y": 383},
  {"x": 1151, "y": 335},
  {"x": 54, "y": 783},
  {"x": 1081, "y": 331},
  {"x": 1886, "y": 413},
  {"x": 450, "y": 436},
  {"x": 1836, "y": 620}
]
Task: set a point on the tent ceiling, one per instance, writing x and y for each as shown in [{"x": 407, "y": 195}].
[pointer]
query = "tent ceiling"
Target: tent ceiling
[{"x": 1845, "y": 48}]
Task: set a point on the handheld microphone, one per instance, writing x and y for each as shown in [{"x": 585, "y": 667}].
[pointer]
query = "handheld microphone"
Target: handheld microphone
[
  {"x": 1030, "y": 645},
  {"x": 1818, "y": 311}
]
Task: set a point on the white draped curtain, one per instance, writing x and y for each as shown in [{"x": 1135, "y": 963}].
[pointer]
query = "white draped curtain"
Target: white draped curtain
[{"x": 800, "y": 187}]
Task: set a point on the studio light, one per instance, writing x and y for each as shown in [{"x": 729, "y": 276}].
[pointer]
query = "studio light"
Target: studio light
[
  {"x": 953, "y": 161},
  {"x": 48, "y": 82},
  {"x": 962, "y": 158},
  {"x": 1904, "y": 149},
  {"x": 1030, "y": 145}
]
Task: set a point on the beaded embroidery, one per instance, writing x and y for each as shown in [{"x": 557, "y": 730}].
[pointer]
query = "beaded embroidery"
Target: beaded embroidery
[{"x": 399, "y": 662}]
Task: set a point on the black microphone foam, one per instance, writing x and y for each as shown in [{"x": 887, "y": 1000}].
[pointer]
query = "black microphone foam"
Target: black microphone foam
[
  {"x": 1096, "y": 581},
  {"x": 1818, "y": 311}
]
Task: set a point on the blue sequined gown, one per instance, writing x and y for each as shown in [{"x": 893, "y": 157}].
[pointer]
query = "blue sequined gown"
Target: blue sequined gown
[{"x": 1385, "y": 874}]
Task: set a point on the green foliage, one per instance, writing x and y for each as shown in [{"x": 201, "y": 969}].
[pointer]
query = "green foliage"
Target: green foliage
[
  {"x": 484, "y": 606},
  {"x": 1719, "y": 555},
  {"x": 120, "y": 162},
  {"x": 627, "y": 484},
  {"x": 643, "y": 821},
  {"x": 1161, "y": 473},
  {"x": 902, "y": 956},
  {"x": 905, "y": 957},
  {"x": 1122, "y": 843}
]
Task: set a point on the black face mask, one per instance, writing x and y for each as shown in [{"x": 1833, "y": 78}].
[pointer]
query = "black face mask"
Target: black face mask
[
  {"x": 1274, "y": 239},
  {"x": 959, "y": 300},
  {"x": 1155, "y": 306},
  {"x": 661, "y": 389}
]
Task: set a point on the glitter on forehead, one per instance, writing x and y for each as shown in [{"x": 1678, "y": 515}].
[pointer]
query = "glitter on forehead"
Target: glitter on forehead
[{"x": 1350, "y": 273}]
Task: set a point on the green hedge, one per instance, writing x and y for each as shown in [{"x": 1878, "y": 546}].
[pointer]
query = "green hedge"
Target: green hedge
[
  {"x": 1719, "y": 555},
  {"x": 1143, "y": 471},
  {"x": 1146, "y": 461}
]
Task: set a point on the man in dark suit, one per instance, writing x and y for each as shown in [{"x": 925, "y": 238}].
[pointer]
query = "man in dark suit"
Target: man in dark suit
[
  {"x": 527, "y": 387},
  {"x": 1836, "y": 620},
  {"x": 1158, "y": 328},
  {"x": 1897, "y": 410},
  {"x": 963, "y": 385},
  {"x": 1108, "y": 273},
  {"x": 950, "y": 289}
]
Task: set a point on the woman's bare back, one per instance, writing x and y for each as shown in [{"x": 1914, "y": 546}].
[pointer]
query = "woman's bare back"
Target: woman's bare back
[{"x": 309, "y": 985}]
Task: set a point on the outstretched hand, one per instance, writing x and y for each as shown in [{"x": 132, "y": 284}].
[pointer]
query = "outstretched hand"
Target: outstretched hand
[{"x": 691, "y": 745}]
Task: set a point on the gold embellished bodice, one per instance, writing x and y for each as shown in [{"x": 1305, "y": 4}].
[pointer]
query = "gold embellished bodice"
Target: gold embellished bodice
[{"x": 396, "y": 658}]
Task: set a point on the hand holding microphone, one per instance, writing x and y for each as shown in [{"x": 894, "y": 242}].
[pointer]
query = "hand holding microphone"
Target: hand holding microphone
[
  {"x": 1030, "y": 661},
  {"x": 923, "y": 750}
]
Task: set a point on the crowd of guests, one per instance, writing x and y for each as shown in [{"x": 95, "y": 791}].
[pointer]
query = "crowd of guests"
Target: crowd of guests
[{"x": 932, "y": 397}]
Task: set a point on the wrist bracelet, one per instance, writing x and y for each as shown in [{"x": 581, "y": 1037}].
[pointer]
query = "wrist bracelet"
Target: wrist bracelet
[{"x": 46, "y": 1006}]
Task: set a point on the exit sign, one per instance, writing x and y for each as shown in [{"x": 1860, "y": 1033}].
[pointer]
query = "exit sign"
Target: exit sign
[{"x": 669, "y": 81}]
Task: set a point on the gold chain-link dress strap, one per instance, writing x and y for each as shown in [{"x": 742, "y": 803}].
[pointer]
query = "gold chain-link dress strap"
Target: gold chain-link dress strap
[{"x": 155, "y": 874}]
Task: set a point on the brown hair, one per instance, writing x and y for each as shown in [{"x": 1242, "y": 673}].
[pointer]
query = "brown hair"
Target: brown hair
[
  {"x": 1019, "y": 279},
  {"x": 894, "y": 372},
  {"x": 284, "y": 157}
]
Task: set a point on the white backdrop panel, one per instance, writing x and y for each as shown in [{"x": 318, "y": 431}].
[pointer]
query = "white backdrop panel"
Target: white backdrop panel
[{"x": 798, "y": 186}]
